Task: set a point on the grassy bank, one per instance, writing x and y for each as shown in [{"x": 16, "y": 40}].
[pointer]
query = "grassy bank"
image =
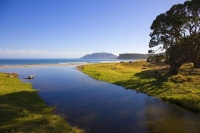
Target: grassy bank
[
  {"x": 22, "y": 110},
  {"x": 182, "y": 89}
]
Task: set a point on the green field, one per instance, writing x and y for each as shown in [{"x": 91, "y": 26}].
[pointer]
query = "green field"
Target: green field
[
  {"x": 182, "y": 89},
  {"x": 22, "y": 110}
]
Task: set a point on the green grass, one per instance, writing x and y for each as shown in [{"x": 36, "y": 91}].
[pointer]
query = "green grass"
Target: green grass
[
  {"x": 182, "y": 89},
  {"x": 23, "y": 111}
]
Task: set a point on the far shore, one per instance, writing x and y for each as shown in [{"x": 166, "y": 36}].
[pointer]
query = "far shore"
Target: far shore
[
  {"x": 61, "y": 64},
  {"x": 41, "y": 65}
]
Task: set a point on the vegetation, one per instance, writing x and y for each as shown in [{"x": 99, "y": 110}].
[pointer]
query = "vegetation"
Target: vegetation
[
  {"x": 182, "y": 89},
  {"x": 22, "y": 110},
  {"x": 158, "y": 58},
  {"x": 134, "y": 56},
  {"x": 178, "y": 33}
]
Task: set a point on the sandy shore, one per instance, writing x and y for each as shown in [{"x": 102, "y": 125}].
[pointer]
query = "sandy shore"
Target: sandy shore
[{"x": 41, "y": 65}]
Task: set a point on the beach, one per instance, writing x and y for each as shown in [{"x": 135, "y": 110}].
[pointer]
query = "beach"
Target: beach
[
  {"x": 26, "y": 63},
  {"x": 41, "y": 65}
]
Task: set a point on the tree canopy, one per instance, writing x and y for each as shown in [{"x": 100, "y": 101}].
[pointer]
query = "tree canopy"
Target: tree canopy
[{"x": 177, "y": 31}]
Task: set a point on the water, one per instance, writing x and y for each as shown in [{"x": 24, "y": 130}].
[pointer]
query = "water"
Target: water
[
  {"x": 100, "y": 107},
  {"x": 51, "y": 61}
]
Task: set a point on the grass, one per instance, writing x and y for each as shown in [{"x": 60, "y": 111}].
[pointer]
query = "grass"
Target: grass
[
  {"x": 23, "y": 111},
  {"x": 182, "y": 89}
]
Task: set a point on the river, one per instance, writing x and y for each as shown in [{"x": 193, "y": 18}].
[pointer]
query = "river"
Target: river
[{"x": 100, "y": 107}]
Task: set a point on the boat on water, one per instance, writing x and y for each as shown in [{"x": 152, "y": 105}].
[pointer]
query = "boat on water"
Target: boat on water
[{"x": 30, "y": 77}]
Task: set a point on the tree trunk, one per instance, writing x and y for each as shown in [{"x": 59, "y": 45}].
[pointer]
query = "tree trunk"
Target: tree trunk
[
  {"x": 197, "y": 63},
  {"x": 174, "y": 68}
]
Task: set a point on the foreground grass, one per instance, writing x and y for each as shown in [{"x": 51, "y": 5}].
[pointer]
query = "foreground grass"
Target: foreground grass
[
  {"x": 182, "y": 89},
  {"x": 22, "y": 110}
]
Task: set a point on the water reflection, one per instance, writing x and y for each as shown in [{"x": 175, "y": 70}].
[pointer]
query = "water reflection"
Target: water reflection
[
  {"x": 100, "y": 107},
  {"x": 168, "y": 118}
]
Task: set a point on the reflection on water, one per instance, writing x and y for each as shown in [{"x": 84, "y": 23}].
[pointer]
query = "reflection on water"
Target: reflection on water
[
  {"x": 100, "y": 107},
  {"x": 170, "y": 118}
]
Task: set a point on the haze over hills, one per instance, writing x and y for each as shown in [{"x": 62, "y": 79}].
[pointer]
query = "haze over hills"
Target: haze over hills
[{"x": 101, "y": 55}]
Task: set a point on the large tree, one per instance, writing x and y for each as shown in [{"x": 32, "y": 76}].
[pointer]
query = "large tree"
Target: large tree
[
  {"x": 177, "y": 32},
  {"x": 194, "y": 12}
]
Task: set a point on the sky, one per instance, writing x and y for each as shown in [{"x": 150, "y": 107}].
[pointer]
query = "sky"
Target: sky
[{"x": 73, "y": 28}]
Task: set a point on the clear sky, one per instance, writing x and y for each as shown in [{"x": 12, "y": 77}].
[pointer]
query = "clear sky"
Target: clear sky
[{"x": 73, "y": 28}]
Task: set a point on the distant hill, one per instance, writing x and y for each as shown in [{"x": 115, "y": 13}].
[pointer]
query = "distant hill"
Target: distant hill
[
  {"x": 102, "y": 55},
  {"x": 134, "y": 56}
]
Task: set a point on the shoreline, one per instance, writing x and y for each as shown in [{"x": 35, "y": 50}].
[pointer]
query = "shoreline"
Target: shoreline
[
  {"x": 42, "y": 65},
  {"x": 59, "y": 64},
  {"x": 23, "y": 110},
  {"x": 182, "y": 89}
]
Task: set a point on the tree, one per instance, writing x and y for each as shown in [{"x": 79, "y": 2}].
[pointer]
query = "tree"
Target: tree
[
  {"x": 196, "y": 59},
  {"x": 158, "y": 58},
  {"x": 150, "y": 59},
  {"x": 177, "y": 32},
  {"x": 194, "y": 8}
]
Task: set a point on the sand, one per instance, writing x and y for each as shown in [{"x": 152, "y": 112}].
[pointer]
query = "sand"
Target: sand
[{"x": 41, "y": 65}]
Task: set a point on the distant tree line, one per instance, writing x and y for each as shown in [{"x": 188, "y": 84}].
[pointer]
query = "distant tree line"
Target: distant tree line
[{"x": 177, "y": 32}]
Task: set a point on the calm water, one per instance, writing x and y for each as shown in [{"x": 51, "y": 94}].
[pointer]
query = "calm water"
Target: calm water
[{"x": 100, "y": 107}]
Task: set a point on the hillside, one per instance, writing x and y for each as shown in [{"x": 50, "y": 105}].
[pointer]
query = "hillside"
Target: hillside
[
  {"x": 102, "y": 55},
  {"x": 133, "y": 56}
]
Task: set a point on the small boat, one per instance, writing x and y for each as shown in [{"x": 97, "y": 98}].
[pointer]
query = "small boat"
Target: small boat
[{"x": 30, "y": 77}]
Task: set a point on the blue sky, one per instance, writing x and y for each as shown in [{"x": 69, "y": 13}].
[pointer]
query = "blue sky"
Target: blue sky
[{"x": 73, "y": 28}]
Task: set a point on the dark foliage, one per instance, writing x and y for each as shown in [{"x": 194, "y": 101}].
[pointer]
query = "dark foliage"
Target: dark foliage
[{"x": 177, "y": 31}]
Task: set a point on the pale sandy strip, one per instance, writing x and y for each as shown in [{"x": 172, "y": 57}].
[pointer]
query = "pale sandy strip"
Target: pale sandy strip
[{"x": 42, "y": 65}]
